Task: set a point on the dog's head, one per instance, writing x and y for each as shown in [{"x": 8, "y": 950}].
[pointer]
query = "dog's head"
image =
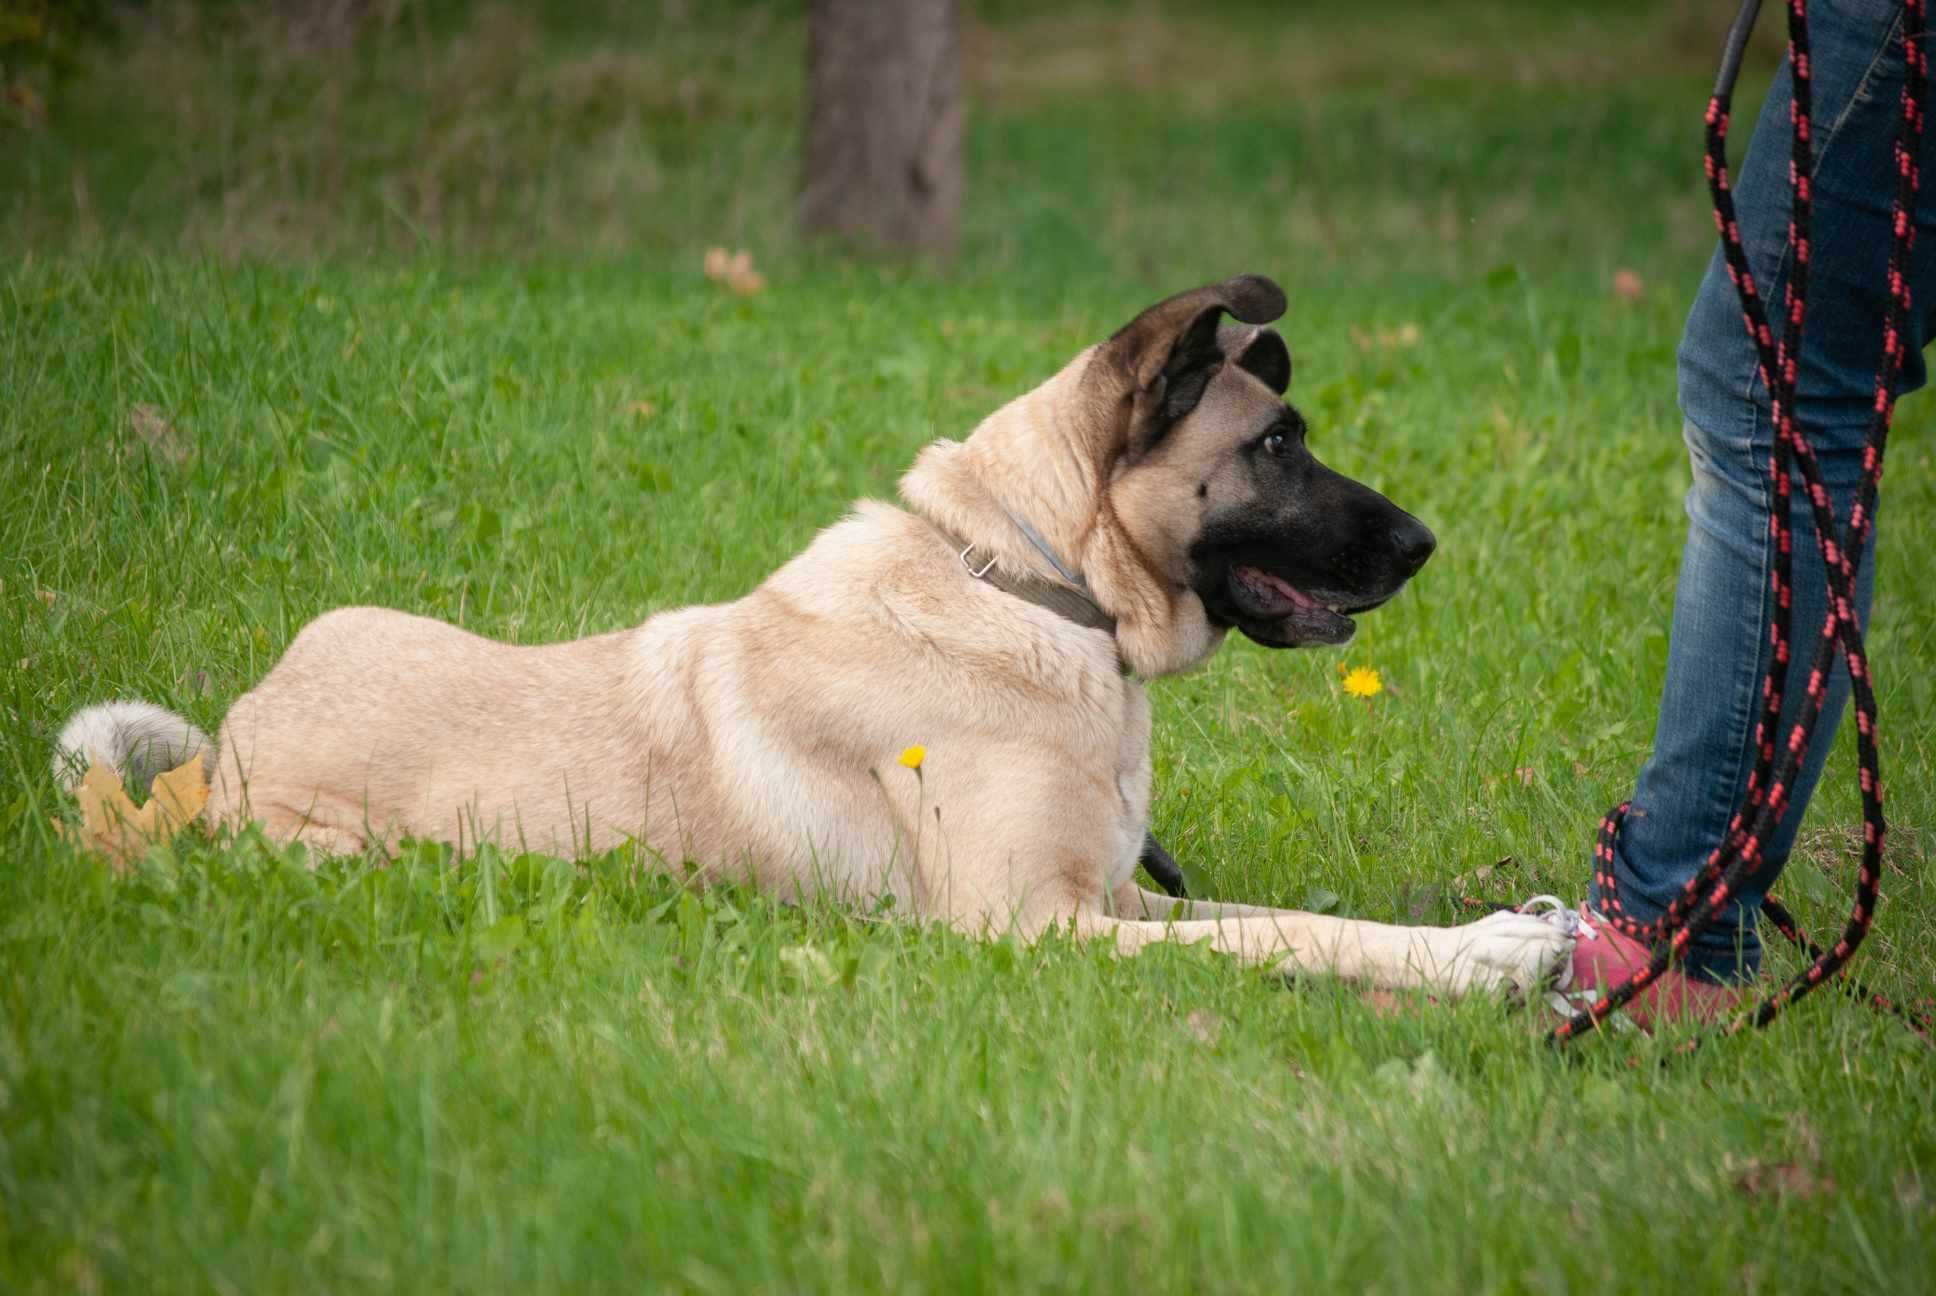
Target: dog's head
[{"x": 1213, "y": 483}]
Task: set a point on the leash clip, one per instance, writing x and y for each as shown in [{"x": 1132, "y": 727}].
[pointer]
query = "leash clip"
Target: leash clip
[{"x": 968, "y": 549}]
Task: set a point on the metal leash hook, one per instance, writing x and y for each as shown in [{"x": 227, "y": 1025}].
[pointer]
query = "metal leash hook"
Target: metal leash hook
[{"x": 1776, "y": 764}]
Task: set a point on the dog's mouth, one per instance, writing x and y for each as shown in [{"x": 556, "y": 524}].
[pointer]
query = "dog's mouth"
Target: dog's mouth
[{"x": 1273, "y": 611}]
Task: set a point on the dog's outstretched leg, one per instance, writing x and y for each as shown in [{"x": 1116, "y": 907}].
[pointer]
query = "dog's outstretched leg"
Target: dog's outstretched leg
[{"x": 1517, "y": 953}]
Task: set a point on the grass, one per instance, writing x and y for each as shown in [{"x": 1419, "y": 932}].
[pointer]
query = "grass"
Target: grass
[{"x": 530, "y": 414}]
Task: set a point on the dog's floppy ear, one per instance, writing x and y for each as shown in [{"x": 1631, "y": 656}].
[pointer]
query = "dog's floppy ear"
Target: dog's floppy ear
[
  {"x": 1260, "y": 351},
  {"x": 1166, "y": 356}
]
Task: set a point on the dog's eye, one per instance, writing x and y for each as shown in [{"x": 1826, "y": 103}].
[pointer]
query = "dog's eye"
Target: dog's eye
[{"x": 1285, "y": 437}]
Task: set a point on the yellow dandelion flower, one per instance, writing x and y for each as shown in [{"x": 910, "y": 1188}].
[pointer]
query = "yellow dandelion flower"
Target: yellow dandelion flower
[
  {"x": 1363, "y": 682},
  {"x": 913, "y": 756}
]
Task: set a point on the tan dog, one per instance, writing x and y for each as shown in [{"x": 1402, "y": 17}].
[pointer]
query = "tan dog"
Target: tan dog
[{"x": 1109, "y": 526}]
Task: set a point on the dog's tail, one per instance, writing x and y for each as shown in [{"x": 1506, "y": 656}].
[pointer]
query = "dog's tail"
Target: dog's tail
[{"x": 137, "y": 740}]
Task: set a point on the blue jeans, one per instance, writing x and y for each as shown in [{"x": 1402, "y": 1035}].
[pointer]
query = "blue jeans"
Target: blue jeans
[{"x": 1719, "y": 650}]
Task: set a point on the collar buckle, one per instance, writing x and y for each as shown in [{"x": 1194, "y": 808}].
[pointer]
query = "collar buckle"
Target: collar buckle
[{"x": 985, "y": 567}]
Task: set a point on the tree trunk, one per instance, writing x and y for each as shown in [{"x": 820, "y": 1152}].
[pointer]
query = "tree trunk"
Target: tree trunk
[{"x": 883, "y": 156}]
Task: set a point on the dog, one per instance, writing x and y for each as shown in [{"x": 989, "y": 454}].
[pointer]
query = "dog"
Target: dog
[{"x": 941, "y": 702}]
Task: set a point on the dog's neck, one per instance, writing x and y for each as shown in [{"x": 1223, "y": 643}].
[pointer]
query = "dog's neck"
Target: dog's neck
[{"x": 1043, "y": 459}]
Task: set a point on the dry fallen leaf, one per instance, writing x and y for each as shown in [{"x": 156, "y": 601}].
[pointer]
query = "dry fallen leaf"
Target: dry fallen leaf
[
  {"x": 1405, "y": 335},
  {"x": 111, "y": 824},
  {"x": 31, "y": 106},
  {"x": 1628, "y": 286},
  {"x": 734, "y": 271},
  {"x": 1483, "y": 874},
  {"x": 156, "y": 433},
  {"x": 1909, "y": 1191},
  {"x": 1387, "y": 1003},
  {"x": 1051, "y": 1205},
  {"x": 643, "y": 409},
  {"x": 1784, "y": 1179}
]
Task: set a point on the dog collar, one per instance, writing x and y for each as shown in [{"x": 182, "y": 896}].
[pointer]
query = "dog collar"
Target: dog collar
[{"x": 1071, "y": 601}]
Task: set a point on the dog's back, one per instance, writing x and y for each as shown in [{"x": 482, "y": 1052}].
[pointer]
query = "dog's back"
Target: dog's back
[{"x": 376, "y": 722}]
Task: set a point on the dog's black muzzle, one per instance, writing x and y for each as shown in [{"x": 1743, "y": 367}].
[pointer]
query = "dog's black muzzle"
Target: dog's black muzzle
[{"x": 1296, "y": 573}]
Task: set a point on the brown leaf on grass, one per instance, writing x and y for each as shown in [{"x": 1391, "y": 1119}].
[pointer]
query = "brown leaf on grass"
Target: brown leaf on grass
[
  {"x": 1628, "y": 286},
  {"x": 734, "y": 271},
  {"x": 27, "y": 101},
  {"x": 112, "y": 825},
  {"x": 1388, "y": 1003},
  {"x": 1051, "y": 1206},
  {"x": 1386, "y": 339},
  {"x": 1783, "y": 1179},
  {"x": 157, "y": 434},
  {"x": 1909, "y": 1192},
  {"x": 1477, "y": 877},
  {"x": 1800, "y": 1176},
  {"x": 1205, "y": 1026}
]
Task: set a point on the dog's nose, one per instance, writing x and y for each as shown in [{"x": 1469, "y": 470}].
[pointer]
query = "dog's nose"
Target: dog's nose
[{"x": 1414, "y": 542}]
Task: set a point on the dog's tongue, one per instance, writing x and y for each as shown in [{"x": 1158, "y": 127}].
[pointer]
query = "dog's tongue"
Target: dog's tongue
[{"x": 1266, "y": 584}]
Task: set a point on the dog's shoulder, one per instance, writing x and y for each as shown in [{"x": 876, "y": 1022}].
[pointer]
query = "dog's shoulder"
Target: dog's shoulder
[
  {"x": 875, "y": 546},
  {"x": 883, "y": 583}
]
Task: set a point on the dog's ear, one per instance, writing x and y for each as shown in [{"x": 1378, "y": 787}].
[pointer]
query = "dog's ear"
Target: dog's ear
[
  {"x": 1259, "y": 351},
  {"x": 1166, "y": 357}
]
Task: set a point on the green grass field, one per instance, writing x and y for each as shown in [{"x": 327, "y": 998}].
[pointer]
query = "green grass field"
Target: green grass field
[{"x": 423, "y": 317}]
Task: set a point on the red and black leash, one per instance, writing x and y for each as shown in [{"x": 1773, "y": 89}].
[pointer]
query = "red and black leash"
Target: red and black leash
[
  {"x": 1779, "y": 759},
  {"x": 1916, "y": 1017}
]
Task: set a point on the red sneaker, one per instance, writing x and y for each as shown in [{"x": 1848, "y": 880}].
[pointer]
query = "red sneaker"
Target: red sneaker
[{"x": 1605, "y": 957}]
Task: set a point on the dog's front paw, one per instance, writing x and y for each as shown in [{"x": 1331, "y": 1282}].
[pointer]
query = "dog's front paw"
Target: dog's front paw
[{"x": 1514, "y": 952}]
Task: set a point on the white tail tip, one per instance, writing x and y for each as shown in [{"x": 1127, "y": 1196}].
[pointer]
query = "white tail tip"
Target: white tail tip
[{"x": 137, "y": 740}]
